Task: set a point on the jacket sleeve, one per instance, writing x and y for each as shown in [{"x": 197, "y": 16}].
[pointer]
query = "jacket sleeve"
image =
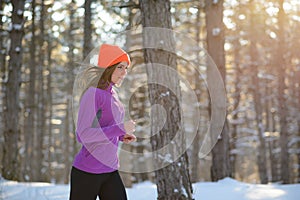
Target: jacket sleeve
[
  {"x": 121, "y": 138},
  {"x": 86, "y": 133}
]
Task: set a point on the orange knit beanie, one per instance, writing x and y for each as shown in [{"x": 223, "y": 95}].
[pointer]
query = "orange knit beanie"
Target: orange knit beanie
[{"x": 110, "y": 55}]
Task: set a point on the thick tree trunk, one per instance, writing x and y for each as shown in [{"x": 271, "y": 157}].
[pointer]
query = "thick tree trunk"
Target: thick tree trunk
[
  {"x": 215, "y": 45},
  {"x": 173, "y": 181},
  {"x": 11, "y": 130},
  {"x": 285, "y": 175}
]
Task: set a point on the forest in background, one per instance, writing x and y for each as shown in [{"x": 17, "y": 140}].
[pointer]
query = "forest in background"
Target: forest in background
[{"x": 261, "y": 75}]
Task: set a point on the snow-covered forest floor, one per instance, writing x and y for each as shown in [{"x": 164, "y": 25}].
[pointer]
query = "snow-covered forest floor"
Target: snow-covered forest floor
[{"x": 226, "y": 189}]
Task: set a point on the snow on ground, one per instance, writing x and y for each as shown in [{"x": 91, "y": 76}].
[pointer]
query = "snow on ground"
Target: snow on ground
[{"x": 226, "y": 189}]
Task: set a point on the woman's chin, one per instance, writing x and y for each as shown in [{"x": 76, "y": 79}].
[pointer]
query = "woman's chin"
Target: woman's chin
[{"x": 119, "y": 83}]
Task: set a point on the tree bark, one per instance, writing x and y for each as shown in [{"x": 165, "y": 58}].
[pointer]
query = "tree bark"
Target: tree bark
[
  {"x": 11, "y": 131},
  {"x": 215, "y": 45},
  {"x": 173, "y": 181}
]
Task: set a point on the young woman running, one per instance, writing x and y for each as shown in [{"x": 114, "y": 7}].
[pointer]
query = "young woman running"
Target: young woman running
[{"x": 100, "y": 127}]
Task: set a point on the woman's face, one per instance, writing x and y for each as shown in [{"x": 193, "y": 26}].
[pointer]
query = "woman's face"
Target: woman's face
[{"x": 119, "y": 74}]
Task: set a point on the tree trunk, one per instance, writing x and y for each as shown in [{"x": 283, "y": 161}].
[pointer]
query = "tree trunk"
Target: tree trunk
[
  {"x": 237, "y": 98},
  {"x": 87, "y": 44},
  {"x": 297, "y": 103},
  {"x": 215, "y": 45},
  {"x": 285, "y": 175},
  {"x": 2, "y": 44},
  {"x": 298, "y": 121},
  {"x": 50, "y": 172},
  {"x": 270, "y": 127},
  {"x": 68, "y": 122},
  {"x": 30, "y": 101},
  {"x": 3, "y": 70},
  {"x": 173, "y": 181},
  {"x": 66, "y": 141},
  {"x": 261, "y": 154},
  {"x": 11, "y": 168},
  {"x": 275, "y": 157},
  {"x": 40, "y": 111},
  {"x": 194, "y": 158}
]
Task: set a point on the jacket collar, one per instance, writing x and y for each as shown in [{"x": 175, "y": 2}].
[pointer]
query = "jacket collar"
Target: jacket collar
[{"x": 110, "y": 88}]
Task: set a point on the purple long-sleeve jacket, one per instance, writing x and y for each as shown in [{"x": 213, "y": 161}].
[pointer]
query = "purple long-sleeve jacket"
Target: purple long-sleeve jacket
[{"x": 99, "y": 128}]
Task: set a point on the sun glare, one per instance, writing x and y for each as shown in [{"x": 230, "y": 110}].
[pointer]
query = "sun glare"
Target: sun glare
[
  {"x": 272, "y": 10},
  {"x": 272, "y": 35},
  {"x": 287, "y": 6}
]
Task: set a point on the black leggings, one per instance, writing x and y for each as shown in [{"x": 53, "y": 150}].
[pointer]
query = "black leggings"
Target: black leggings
[{"x": 87, "y": 186}]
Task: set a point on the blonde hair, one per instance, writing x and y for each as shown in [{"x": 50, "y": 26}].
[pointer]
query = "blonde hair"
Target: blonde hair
[{"x": 88, "y": 76}]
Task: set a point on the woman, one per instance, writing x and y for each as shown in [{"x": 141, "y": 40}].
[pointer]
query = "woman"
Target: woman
[{"x": 99, "y": 128}]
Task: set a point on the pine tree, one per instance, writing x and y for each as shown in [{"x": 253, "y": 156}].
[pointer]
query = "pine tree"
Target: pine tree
[
  {"x": 215, "y": 46},
  {"x": 173, "y": 182},
  {"x": 11, "y": 130}
]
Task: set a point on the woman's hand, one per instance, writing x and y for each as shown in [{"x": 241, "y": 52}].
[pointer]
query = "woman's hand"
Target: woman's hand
[{"x": 128, "y": 138}]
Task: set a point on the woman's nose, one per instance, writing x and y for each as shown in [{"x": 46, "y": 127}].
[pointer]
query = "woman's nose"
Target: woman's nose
[{"x": 124, "y": 72}]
